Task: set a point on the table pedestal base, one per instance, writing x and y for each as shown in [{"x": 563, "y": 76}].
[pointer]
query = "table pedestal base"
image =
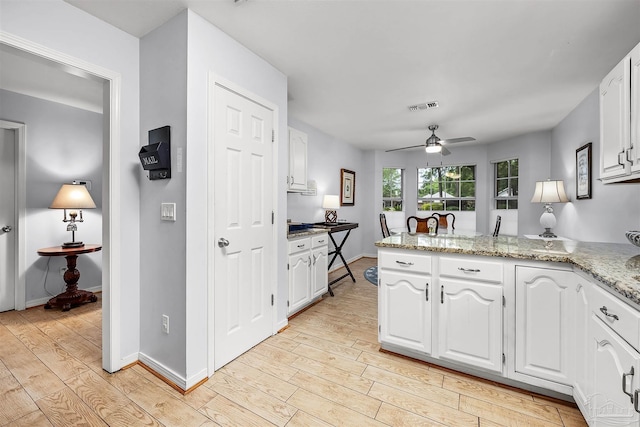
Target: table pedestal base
[{"x": 71, "y": 298}]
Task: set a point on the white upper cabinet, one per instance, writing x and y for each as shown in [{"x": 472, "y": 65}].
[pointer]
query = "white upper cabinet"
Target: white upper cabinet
[
  {"x": 297, "y": 178},
  {"x": 620, "y": 121}
]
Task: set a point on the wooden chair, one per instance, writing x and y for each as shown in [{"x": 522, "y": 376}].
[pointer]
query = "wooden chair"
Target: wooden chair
[
  {"x": 422, "y": 224},
  {"x": 496, "y": 230},
  {"x": 383, "y": 225},
  {"x": 442, "y": 220}
]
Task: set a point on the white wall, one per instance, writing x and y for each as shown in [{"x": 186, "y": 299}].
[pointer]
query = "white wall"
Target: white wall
[
  {"x": 64, "y": 143},
  {"x": 57, "y": 25},
  {"x": 326, "y": 156},
  {"x": 613, "y": 208}
]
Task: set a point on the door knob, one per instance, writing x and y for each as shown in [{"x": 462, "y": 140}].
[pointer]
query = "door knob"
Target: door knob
[
  {"x": 7, "y": 228},
  {"x": 222, "y": 242}
]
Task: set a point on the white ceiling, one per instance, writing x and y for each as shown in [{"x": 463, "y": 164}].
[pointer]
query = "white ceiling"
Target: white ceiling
[{"x": 498, "y": 68}]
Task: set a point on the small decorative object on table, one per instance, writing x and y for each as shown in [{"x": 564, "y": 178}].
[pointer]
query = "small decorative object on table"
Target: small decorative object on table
[{"x": 633, "y": 237}]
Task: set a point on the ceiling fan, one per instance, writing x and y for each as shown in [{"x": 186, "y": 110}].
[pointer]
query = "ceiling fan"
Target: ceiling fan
[{"x": 434, "y": 144}]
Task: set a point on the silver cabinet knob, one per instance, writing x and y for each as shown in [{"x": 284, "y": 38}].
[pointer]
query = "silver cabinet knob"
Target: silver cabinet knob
[
  {"x": 7, "y": 228},
  {"x": 222, "y": 242}
]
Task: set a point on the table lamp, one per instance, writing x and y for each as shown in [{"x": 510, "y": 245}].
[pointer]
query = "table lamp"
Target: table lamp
[
  {"x": 548, "y": 192},
  {"x": 331, "y": 203},
  {"x": 75, "y": 197}
]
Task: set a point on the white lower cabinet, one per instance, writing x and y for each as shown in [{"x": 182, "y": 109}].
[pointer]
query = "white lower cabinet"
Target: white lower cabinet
[
  {"x": 307, "y": 265},
  {"x": 615, "y": 372},
  {"x": 581, "y": 385},
  {"x": 545, "y": 323},
  {"x": 470, "y": 323},
  {"x": 406, "y": 310}
]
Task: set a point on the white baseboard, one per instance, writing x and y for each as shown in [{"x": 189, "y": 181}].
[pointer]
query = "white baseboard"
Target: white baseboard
[
  {"x": 44, "y": 300},
  {"x": 170, "y": 375}
]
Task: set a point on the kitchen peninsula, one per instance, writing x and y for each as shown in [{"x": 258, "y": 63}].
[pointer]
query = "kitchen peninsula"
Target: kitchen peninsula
[{"x": 554, "y": 316}]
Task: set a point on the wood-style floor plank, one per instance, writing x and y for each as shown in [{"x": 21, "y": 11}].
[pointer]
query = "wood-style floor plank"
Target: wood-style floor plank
[{"x": 324, "y": 369}]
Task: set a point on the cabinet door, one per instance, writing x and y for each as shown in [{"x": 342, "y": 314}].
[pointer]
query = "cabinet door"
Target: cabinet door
[
  {"x": 545, "y": 323},
  {"x": 614, "y": 121},
  {"x": 615, "y": 368},
  {"x": 635, "y": 109},
  {"x": 299, "y": 281},
  {"x": 319, "y": 273},
  {"x": 297, "y": 160},
  {"x": 405, "y": 310},
  {"x": 470, "y": 323},
  {"x": 581, "y": 387}
]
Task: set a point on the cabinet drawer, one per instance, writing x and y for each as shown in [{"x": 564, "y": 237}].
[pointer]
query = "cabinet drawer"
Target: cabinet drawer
[
  {"x": 299, "y": 245},
  {"x": 405, "y": 261},
  {"x": 467, "y": 268},
  {"x": 319, "y": 240},
  {"x": 623, "y": 319}
]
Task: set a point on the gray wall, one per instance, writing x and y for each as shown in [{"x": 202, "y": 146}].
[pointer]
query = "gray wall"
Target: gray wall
[
  {"x": 63, "y": 144},
  {"x": 326, "y": 156},
  {"x": 57, "y": 25},
  {"x": 613, "y": 208}
]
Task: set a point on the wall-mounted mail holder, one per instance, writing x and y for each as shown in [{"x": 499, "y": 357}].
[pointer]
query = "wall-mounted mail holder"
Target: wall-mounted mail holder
[{"x": 156, "y": 157}]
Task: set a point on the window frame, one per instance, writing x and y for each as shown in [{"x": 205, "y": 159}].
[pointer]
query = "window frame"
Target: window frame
[
  {"x": 461, "y": 200},
  {"x": 508, "y": 200},
  {"x": 394, "y": 200}
]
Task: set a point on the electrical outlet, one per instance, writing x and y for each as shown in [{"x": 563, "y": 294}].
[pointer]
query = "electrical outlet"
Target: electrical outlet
[
  {"x": 165, "y": 324},
  {"x": 62, "y": 271}
]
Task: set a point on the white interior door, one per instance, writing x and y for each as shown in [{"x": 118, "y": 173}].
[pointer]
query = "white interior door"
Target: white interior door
[
  {"x": 7, "y": 220},
  {"x": 243, "y": 257}
]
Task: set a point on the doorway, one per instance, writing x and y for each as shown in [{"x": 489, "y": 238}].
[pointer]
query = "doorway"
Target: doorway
[{"x": 111, "y": 360}]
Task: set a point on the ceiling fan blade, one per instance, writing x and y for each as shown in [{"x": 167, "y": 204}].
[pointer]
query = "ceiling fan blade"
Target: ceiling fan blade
[
  {"x": 463, "y": 139},
  {"x": 445, "y": 152},
  {"x": 404, "y": 148}
]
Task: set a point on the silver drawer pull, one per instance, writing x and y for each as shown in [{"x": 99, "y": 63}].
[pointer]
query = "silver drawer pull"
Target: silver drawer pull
[
  {"x": 404, "y": 263},
  {"x": 604, "y": 311},
  {"x": 624, "y": 383},
  {"x": 469, "y": 270},
  {"x": 635, "y": 400},
  {"x": 301, "y": 246},
  {"x": 321, "y": 241}
]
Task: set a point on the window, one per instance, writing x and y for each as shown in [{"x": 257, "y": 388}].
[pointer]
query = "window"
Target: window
[
  {"x": 506, "y": 190},
  {"x": 447, "y": 188},
  {"x": 392, "y": 180}
]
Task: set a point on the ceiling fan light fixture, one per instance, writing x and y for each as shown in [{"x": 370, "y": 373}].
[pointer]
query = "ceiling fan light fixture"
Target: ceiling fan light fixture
[{"x": 433, "y": 148}]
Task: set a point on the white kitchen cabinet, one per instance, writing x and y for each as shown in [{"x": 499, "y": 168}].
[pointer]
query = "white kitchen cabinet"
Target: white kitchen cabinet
[
  {"x": 620, "y": 121},
  {"x": 470, "y": 323},
  {"x": 307, "y": 265},
  {"x": 298, "y": 144},
  {"x": 405, "y": 299},
  {"x": 615, "y": 371},
  {"x": 581, "y": 387},
  {"x": 545, "y": 323},
  {"x": 319, "y": 265},
  {"x": 405, "y": 310}
]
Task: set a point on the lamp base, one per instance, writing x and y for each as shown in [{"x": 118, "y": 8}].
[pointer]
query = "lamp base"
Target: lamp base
[
  {"x": 331, "y": 217},
  {"x": 67, "y": 245},
  {"x": 547, "y": 234}
]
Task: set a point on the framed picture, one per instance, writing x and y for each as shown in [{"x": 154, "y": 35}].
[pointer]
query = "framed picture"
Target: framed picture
[
  {"x": 347, "y": 187},
  {"x": 583, "y": 172}
]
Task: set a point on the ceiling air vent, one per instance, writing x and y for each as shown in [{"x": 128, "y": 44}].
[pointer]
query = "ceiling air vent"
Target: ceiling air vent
[{"x": 424, "y": 106}]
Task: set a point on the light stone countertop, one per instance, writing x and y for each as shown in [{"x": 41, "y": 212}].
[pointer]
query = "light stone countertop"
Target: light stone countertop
[
  {"x": 306, "y": 232},
  {"x": 615, "y": 265}
]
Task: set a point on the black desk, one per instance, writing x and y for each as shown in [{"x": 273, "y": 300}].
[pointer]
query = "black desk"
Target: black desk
[{"x": 337, "y": 251}]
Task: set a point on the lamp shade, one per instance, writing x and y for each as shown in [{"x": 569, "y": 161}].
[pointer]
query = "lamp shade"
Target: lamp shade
[
  {"x": 331, "y": 202},
  {"x": 549, "y": 192},
  {"x": 73, "y": 196}
]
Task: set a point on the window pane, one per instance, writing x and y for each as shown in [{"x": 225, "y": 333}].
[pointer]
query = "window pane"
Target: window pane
[
  {"x": 502, "y": 188},
  {"x": 514, "y": 186},
  {"x": 451, "y": 189},
  {"x": 502, "y": 169},
  {"x": 391, "y": 182},
  {"x": 501, "y": 204},
  {"x": 468, "y": 189},
  {"x": 452, "y": 205},
  {"x": 468, "y": 173},
  {"x": 468, "y": 205},
  {"x": 512, "y": 204},
  {"x": 514, "y": 167}
]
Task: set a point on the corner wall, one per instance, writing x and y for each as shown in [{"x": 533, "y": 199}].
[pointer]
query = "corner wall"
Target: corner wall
[{"x": 613, "y": 208}]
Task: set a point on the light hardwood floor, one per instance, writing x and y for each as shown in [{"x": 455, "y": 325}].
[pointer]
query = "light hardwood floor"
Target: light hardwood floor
[{"x": 325, "y": 369}]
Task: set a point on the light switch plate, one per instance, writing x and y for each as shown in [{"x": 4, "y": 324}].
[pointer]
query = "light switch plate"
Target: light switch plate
[{"x": 168, "y": 212}]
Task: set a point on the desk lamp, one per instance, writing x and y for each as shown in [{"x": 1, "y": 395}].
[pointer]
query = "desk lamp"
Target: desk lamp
[
  {"x": 73, "y": 196},
  {"x": 548, "y": 192},
  {"x": 331, "y": 203}
]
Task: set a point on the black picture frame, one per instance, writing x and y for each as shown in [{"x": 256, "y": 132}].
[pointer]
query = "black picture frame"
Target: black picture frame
[
  {"x": 583, "y": 172},
  {"x": 347, "y": 187}
]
